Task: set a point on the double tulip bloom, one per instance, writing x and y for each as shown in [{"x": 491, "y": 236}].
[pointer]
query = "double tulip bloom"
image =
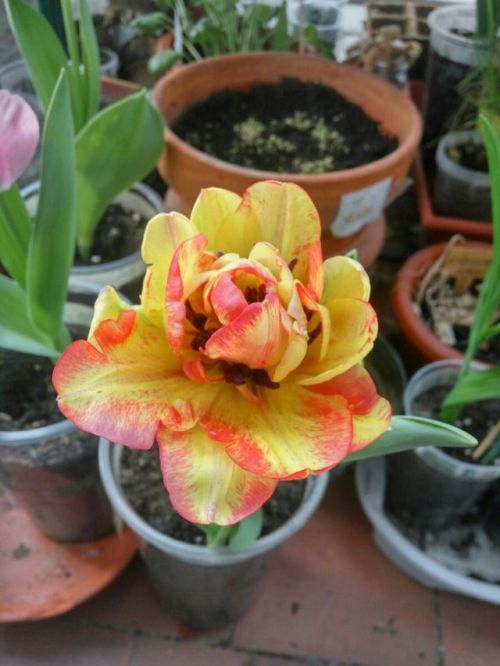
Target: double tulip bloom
[
  {"x": 243, "y": 360},
  {"x": 19, "y": 134}
]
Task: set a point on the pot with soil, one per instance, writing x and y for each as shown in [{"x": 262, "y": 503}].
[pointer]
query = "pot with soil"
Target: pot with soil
[
  {"x": 434, "y": 299},
  {"x": 462, "y": 182},
  {"x": 279, "y": 108},
  {"x": 454, "y": 52},
  {"x": 115, "y": 257},
  {"x": 428, "y": 487},
  {"x": 48, "y": 465},
  {"x": 206, "y": 587}
]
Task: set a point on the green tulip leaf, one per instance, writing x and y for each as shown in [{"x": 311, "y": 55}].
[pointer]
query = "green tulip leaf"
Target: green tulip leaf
[
  {"x": 52, "y": 245},
  {"x": 114, "y": 150}
]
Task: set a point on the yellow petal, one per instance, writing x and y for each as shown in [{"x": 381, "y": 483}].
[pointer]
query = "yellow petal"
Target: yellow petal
[
  {"x": 204, "y": 484},
  {"x": 345, "y": 278},
  {"x": 108, "y": 305}
]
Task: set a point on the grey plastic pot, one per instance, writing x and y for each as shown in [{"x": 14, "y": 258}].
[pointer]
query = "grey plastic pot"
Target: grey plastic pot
[
  {"x": 204, "y": 587},
  {"x": 124, "y": 274},
  {"x": 458, "y": 190},
  {"x": 428, "y": 486},
  {"x": 452, "y": 55},
  {"x": 52, "y": 471}
]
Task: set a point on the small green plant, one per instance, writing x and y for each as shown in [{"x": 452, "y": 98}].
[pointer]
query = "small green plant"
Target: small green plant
[
  {"x": 484, "y": 385},
  {"x": 205, "y": 28},
  {"x": 114, "y": 147}
]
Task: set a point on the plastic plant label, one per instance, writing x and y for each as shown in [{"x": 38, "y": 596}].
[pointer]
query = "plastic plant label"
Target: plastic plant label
[
  {"x": 360, "y": 208},
  {"x": 467, "y": 264}
]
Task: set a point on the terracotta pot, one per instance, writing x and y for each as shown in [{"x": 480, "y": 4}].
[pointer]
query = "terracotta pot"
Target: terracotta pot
[
  {"x": 425, "y": 345},
  {"x": 187, "y": 170}
]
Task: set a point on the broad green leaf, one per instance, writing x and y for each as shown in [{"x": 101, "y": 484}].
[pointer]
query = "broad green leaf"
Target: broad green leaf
[
  {"x": 481, "y": 385},
  {"x": 115, "y": 149},
  {"x": 15, "y": 232},
  {"x": 163, "y": 61},
  {"x": 152, "y": 23},
  {"x": 91, "y": 62},
  {"x": 17, "y": 331},
  {"x": 247, "y": 531},
  {"x": 39, "y": 45},
  {"x": 52, "y": 246},
  {"x": 410, "y": 432}
]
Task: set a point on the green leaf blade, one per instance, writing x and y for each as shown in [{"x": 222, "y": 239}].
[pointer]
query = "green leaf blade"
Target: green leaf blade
[
  {"x": 91, "y": 61},
  {"x": 51, "y": 251}
]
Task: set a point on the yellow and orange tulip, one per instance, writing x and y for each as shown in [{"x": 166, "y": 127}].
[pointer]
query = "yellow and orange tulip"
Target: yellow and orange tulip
[{"x": 243, "y": 360}]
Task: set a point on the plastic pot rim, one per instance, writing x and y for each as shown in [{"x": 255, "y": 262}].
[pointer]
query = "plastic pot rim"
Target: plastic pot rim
[{"x": 109, "y": 459}]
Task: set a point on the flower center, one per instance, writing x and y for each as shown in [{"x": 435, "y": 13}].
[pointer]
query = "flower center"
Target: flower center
[{"x": 237, "y": 373}]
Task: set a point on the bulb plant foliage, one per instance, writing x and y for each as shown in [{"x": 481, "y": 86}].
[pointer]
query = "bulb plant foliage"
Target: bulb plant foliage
[
  {"x": 115, "y": 146},
  {"x": 243, "y": 361}
]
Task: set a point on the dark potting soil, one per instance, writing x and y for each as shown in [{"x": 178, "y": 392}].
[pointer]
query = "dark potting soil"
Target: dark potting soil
[
  {"x": 118, "y": 234},
  {"x": 290, "y": 126},
  {"x": 469, "y": 155},
  {"x": 27, "y": 401},
  {"x": 142, "y": 483},
  {"x": 476, "y": 418}
]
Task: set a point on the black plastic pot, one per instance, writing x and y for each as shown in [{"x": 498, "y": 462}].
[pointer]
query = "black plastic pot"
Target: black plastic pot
[{"x": 204, "y": 587}]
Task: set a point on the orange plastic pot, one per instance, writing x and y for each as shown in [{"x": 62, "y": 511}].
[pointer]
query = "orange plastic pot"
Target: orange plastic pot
[
  {"x": 187, "y": 170},
  {"x": 425, "y": 345}
]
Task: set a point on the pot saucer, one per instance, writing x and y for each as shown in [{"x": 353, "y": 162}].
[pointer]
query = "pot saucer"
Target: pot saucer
[{"x": 40, "y": 578}]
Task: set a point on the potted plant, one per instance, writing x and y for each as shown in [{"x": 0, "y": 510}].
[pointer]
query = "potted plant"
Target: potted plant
[
  {"x": 465, "y": 45},
  {"x": 442, "y": 485},
  {"x": 103, "y": 174},
  {"x": 246, "y": 374},
  {"x": 189, "y": 33},
  {"x": 49, "y": 466},
  {"x": 351, "y": 200}
]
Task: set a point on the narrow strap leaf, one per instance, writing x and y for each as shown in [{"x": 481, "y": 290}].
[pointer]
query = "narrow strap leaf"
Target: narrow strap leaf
[
  {"x": 15, "y": 232},
  {"x": 248, "y": 531},
  {"x": 39, "y": 45},
  {"x": 91, "y": 62},
  {"x": 51, "y": 251},
  {"x": 17, "y": 331}
]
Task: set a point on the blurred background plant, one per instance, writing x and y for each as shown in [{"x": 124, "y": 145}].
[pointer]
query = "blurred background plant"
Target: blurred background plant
[{"x": 203, "y": 28}]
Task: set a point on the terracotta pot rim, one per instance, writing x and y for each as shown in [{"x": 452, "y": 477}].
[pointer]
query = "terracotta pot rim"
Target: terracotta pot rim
[
  {"x": 410, "y": 322},
  {"x": 409, "y": 143}
]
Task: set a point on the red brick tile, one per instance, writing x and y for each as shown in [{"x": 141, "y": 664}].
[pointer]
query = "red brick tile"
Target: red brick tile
[
  {"x": 332, "y": 594},
  {"x": 130, "y": 603},
  {"x": 148, "y": 652},
  {"x": 57, "y": 643},
  {"x": 470, "y": 631}
]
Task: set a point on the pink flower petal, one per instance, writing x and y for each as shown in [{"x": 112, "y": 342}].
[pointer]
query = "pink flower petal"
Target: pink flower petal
[{"x": 19, "y": 134}]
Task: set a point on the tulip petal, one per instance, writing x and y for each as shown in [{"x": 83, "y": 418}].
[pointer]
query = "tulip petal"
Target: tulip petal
[
  {"x": 123, "y": 390},
  {"x": 289, "y": 433},
  {"x": 287, "y": 218},
  {"x": 371, "y": 413},
  {"x": 227, "y": 299},
  {"x": 255, "y": 338},
  {"x": 163, "y": 234},
  {"x": 204, "y": 484},
  {"x": 353, "y": 329},
  {"x": 108, "y": 305},
  {"x": 345, "y": 278},
  {"x": 215, "y": 215},
  {"x": 19, "y": 135}
]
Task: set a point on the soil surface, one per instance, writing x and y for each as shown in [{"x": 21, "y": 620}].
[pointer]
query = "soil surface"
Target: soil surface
[
  {"x": 476, "y": 418},
  {"x": 469, "y": 155},
  {"x": 142, "y": 483},
  {"x": 288, "y": 127},
  {"x": 28, "y": 400},
  {"x": 118, "y": 234}
]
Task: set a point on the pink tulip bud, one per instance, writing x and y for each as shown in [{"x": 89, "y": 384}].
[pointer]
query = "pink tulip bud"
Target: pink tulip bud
[{"x": 19, "y": 135}]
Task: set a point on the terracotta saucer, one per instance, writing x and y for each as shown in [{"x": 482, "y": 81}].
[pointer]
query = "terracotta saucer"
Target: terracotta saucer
[{"x": 40, "y": 578}]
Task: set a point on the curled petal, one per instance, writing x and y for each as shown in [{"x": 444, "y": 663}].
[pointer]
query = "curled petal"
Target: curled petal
[
  {"x": 353, "y": 329},
  {"x": 345, "y": 278},
  {"x": 163, "y": 234},
  {"x": 108, "y": 305},
  {"x": 268, "y": 256},
  {"x": 127, "y": 387},
  {"x": 19, "y": 135},
  {"x": 371, "y": 413},
  {"x": 227, "y": 300},
  {"x": 255, "y": 338},
  {"x": 204, "y": 484}
]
